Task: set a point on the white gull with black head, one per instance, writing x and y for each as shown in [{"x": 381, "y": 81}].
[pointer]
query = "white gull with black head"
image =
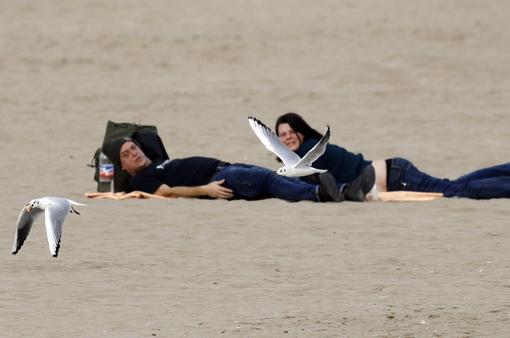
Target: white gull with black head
[
  {"x": 294, "y": 166},
  {"x": 55, "y": 211}
]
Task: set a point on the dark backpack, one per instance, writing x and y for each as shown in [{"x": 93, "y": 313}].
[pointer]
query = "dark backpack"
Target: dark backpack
[{"x": 145, "y": 135}]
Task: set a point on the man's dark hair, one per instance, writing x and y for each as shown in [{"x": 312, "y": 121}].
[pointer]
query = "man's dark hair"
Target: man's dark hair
[
  {"x": 299, "y": 125},
  {"x": 112, "y": 149}
]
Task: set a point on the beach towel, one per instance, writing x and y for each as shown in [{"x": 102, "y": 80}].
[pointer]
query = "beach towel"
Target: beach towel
[{"x": 389, "y": 196}]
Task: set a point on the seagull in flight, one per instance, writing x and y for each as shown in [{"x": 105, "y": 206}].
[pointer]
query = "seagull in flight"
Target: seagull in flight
[
  {"x": 55, "y": 211},
  {"x": 294, "y": 166}
]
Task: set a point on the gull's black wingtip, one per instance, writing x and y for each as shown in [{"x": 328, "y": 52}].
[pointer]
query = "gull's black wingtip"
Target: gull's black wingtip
[
  {"x": 328, "y": 130},
  {"x": 73, "y": 210},
  {"x": 260, "y": 123}
]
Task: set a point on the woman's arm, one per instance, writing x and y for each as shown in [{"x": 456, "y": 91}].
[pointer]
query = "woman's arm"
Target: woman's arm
[{"x": 213, "y": 189}]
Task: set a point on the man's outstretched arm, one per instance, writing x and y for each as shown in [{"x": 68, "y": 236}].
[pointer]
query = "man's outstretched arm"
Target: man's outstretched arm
[{"x": 213, "y": 189}]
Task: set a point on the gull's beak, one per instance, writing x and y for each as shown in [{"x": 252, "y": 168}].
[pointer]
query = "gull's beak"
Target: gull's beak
[{"x": 28, "y": 207}]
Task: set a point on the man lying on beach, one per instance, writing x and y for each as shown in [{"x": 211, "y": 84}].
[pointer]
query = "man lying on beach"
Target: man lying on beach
[{"x": 204, "y": 177}]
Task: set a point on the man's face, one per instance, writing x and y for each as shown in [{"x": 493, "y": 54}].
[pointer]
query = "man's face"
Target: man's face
[{"x": 132, "y": 158}]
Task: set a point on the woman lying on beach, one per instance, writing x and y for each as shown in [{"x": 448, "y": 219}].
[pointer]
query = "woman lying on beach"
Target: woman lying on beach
[{"x": 394, "y": 174}]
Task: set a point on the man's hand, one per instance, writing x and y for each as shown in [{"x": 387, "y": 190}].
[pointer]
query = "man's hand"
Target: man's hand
[{"x": 216, "y": 190}]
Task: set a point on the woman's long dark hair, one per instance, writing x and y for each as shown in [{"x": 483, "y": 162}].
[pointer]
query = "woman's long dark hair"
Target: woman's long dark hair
[{"x": 299, "y": 125}]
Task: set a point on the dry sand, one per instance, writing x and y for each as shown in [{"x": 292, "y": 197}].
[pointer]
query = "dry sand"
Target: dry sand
[{"x": 426, "y": 80}]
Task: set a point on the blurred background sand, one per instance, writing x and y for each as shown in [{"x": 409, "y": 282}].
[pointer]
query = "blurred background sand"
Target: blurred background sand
[{"x": 427, "y": 81}]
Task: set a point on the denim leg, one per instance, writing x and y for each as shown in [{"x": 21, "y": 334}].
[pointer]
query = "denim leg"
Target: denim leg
[
  {"x": 291, "y": 189},
  {"x": 502, "y": 170},
  {"x": 487, "y": 188},
  {"x": 253, "y": 183},
  {"x": 405, "y": 176},
  {"x": 314, "y": 179},
  {"x": 486, "y": 183}
]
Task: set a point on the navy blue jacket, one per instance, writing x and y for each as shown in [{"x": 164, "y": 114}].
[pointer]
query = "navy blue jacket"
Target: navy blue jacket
[{"x": 341, "y": 163}]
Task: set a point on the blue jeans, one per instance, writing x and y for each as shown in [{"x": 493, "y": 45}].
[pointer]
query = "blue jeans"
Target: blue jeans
[
  {"x": 250, "y": 182},
  {"x": 487, "y": 183}
]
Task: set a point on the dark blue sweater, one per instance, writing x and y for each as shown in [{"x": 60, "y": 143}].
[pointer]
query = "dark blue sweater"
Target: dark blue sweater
[{"x": 342, "y": 164}]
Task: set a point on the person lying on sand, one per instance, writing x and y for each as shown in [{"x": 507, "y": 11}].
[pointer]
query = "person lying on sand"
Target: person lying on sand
[
  {"x": 197, "y": 177},
  {"x": 394, "y": 174}
]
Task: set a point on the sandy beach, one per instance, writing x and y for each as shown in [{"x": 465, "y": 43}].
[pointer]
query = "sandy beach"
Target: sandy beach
[{"x": 426, "y": 81}]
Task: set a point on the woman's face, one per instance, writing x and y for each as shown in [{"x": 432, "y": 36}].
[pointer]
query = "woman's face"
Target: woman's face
[{"x": 289, "y": 137}]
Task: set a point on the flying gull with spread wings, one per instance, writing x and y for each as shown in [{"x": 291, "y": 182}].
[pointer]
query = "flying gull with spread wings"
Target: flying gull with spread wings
[
  {"x": 55, "y": 211},
  {"x": 294, "y": 166}
]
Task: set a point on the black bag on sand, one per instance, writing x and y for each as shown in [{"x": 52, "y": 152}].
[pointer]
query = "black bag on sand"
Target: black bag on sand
[{"x": 145, "y": 135}]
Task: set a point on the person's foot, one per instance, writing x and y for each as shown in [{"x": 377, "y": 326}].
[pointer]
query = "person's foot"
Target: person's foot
[
  {"x": 328, "y": 191},
  {"x": 357, "y": 189}
]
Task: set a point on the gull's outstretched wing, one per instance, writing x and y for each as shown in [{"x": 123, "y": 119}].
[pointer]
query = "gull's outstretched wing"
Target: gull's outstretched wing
[
  {"x": 313, "y": 154},
  {"x": 272, "y": 143},
  {"x": 25, "y": 221},
  {"x": 54, "y": 218}
]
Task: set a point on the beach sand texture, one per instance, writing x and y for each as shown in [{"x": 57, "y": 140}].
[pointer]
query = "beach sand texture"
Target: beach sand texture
[{"x": 428, "y": 81}]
